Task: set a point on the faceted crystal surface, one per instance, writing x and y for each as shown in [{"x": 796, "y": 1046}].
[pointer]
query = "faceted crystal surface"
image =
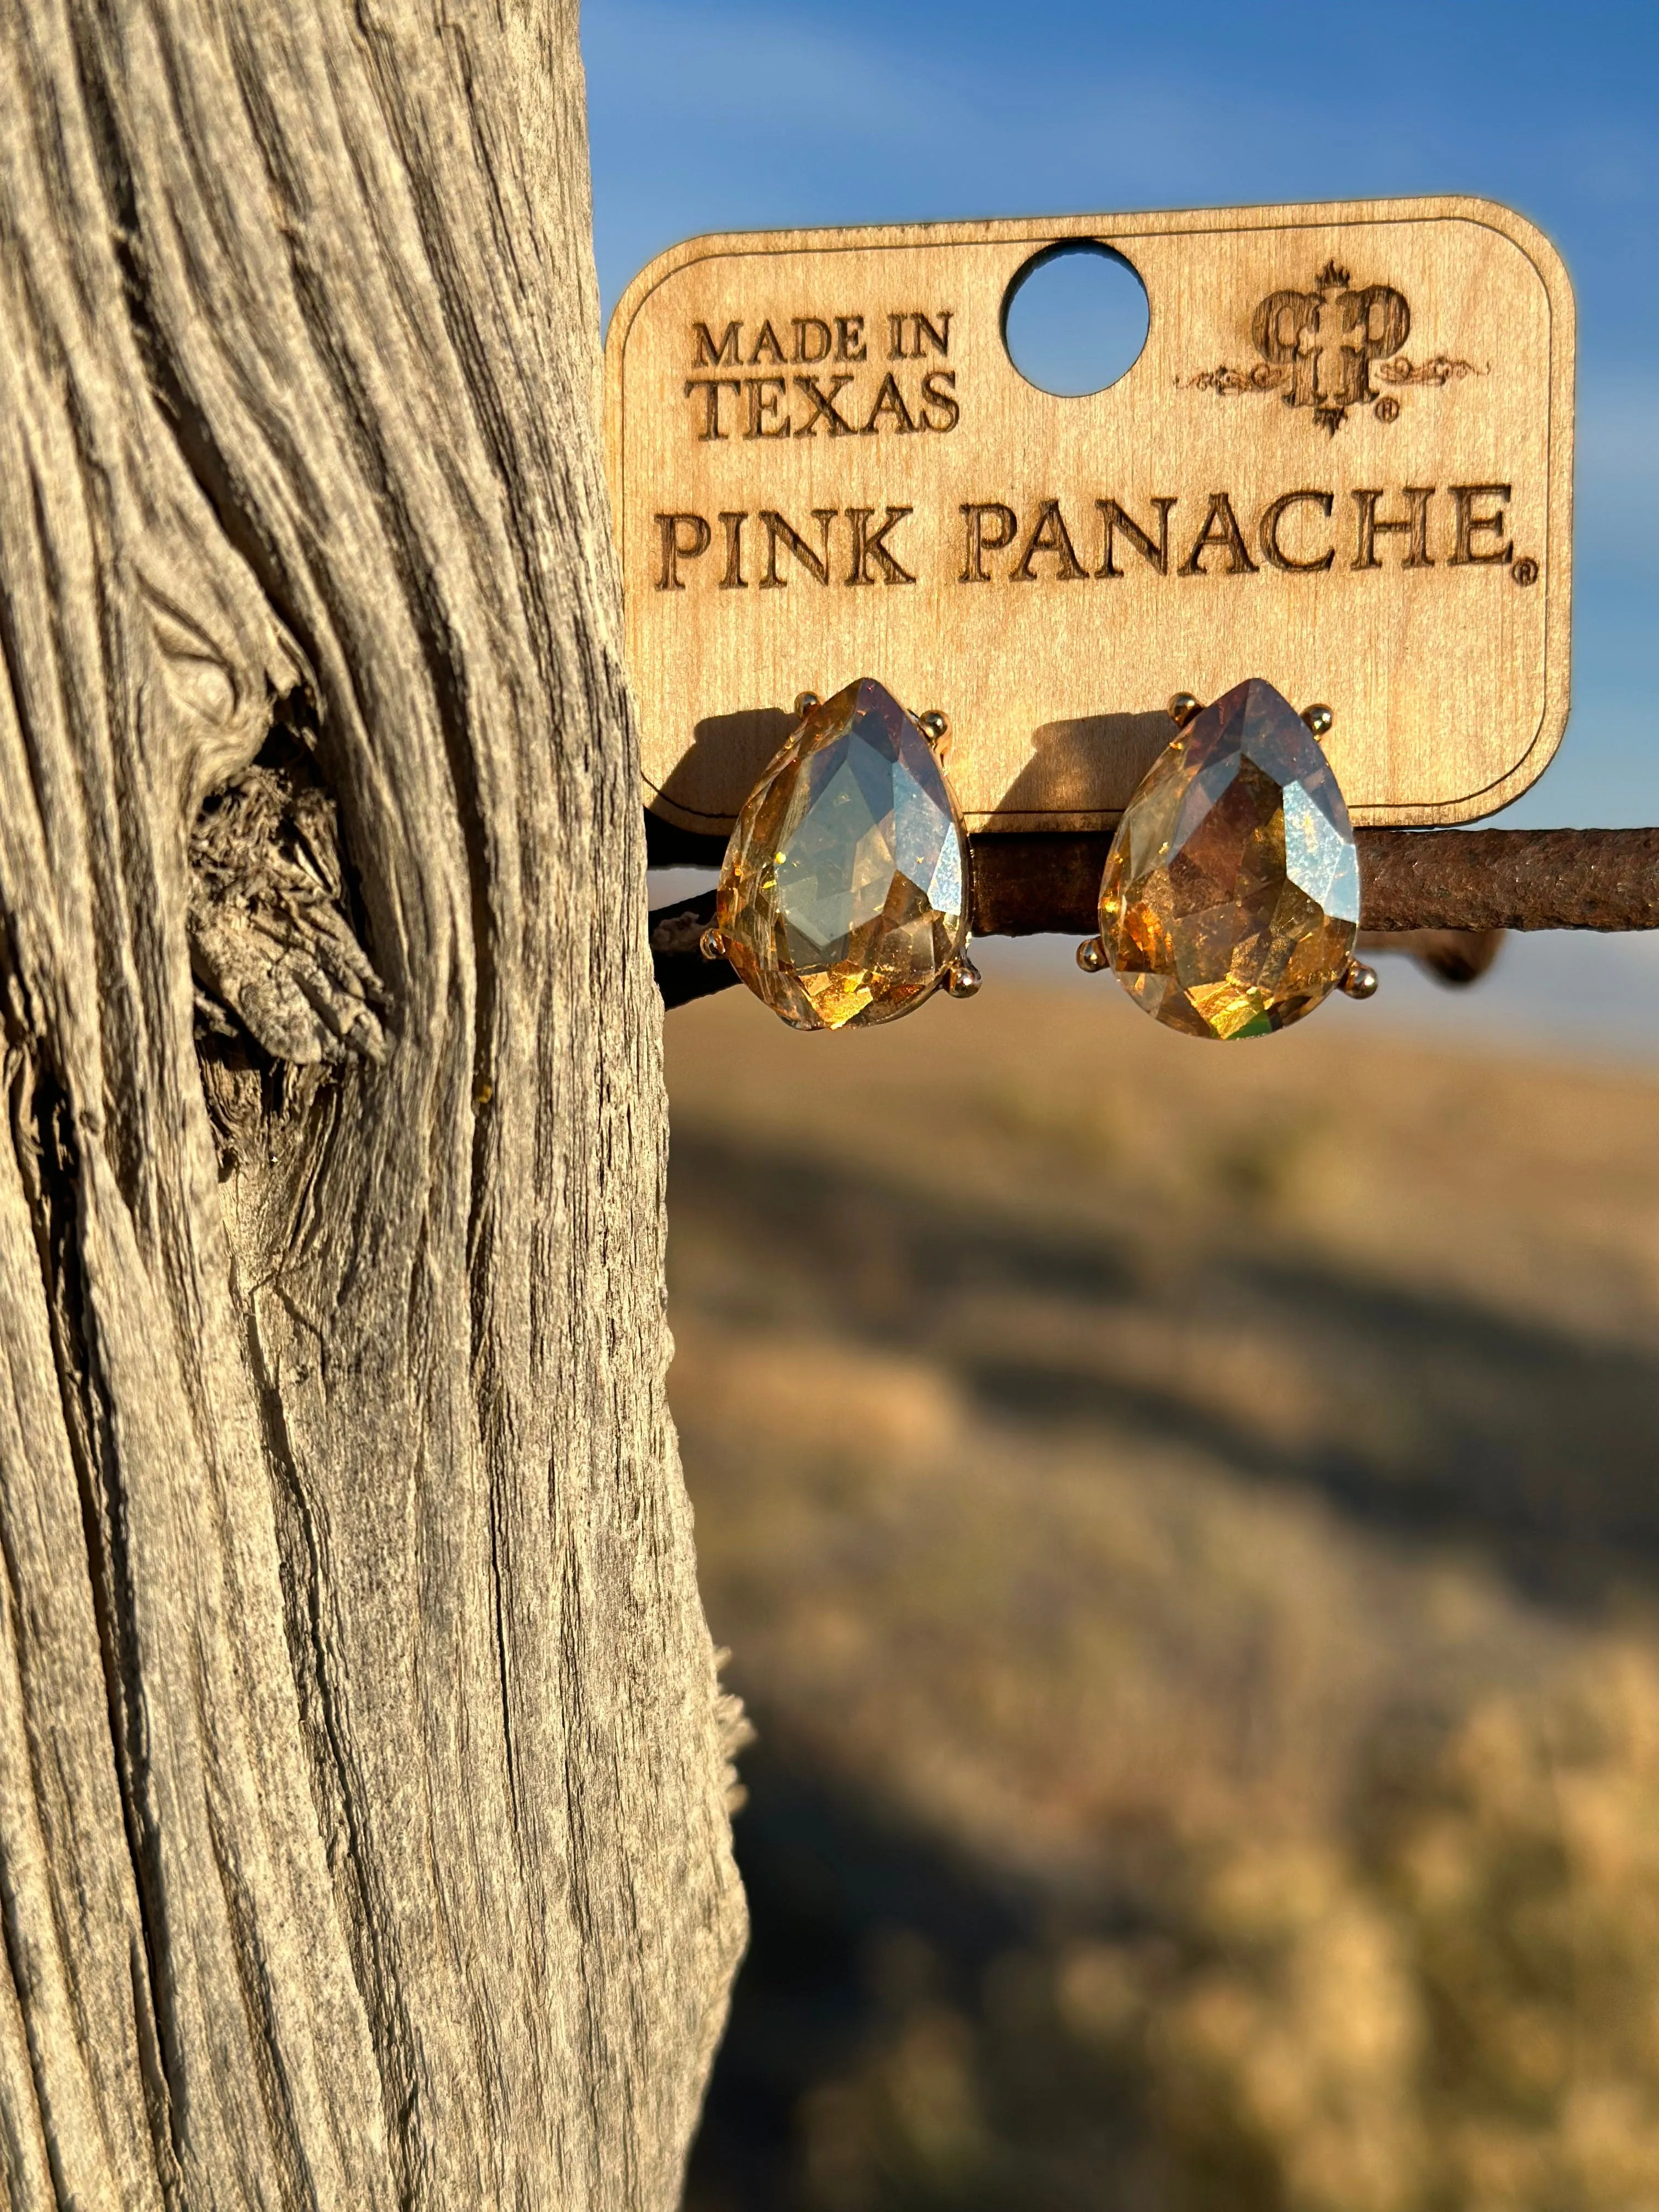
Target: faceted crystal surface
[
  {"x": 1230, "y": 900},
  {"x": 842, "y": 899}
]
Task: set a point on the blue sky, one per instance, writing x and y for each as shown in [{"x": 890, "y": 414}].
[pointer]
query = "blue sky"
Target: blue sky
[{"x": 715, "y": 114}]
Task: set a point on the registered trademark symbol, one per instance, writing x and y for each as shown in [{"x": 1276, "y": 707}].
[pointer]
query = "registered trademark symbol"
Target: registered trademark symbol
[
  {"x": 1525, "y": 570},
  {"x": 1386, "y": 408}
]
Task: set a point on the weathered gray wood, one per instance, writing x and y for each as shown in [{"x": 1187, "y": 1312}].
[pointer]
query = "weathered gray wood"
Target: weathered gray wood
[{"x": 363, "y": 1827}]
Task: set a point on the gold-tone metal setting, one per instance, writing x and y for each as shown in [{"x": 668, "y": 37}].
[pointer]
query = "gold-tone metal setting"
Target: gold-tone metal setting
[
  {"x": 936, "y": 728},
  {"x": 844, "y": 897},
  {"x": 1229, "y": 903}
]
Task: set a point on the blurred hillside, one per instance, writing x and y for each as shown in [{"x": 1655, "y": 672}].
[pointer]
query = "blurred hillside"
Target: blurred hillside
[{"x": 1185, "y": 1521}]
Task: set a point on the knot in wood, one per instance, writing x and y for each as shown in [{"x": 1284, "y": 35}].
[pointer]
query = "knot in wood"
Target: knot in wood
[{"x": 272, "y": 947}]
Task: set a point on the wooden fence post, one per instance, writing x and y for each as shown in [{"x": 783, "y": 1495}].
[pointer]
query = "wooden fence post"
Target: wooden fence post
[{"x": 362, "y": 1829}]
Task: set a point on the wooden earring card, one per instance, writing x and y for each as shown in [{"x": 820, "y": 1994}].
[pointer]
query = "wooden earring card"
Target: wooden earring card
[{"x": 1343, "y": 461}]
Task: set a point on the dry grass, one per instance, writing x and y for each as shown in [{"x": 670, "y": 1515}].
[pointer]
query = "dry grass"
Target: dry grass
[{"x": 1185, "y": 1520}]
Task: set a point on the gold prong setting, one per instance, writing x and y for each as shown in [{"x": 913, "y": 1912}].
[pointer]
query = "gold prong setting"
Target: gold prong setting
[
  {"x": 936, "y": 728},
  {"x": 1168, "y": 884},
  {"x": 844, "y": 898}
]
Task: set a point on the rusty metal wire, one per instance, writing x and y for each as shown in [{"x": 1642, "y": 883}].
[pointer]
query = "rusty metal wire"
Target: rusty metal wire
[{"x": 1475, "y": 881}]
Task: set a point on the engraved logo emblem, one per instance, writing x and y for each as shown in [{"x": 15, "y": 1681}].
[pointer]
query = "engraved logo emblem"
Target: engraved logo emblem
[{"x": 1327, "y": 349}]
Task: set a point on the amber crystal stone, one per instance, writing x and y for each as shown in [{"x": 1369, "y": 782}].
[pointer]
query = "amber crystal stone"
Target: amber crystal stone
[
  {"x": 1230, "y": 898},
  {"x": 843, "y": 895}
]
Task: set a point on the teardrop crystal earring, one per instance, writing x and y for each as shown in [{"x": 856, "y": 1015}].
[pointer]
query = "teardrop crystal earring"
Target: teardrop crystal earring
[
  {"x": 1229, "y": 903},
  {"x": 844, "y": 895}
]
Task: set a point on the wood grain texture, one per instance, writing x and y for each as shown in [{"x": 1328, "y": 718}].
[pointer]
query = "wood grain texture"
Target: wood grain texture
[
  {"x": 774, "y": 400},
  {"x": 363, "y": 1838}
]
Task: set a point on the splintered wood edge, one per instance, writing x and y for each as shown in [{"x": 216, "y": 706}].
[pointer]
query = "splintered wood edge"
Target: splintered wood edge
[{"x": 1539, "y": 251}]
